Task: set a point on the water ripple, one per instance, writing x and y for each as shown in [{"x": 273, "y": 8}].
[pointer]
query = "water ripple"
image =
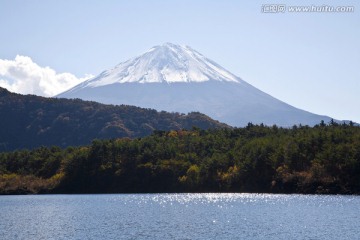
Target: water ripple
[{"x": 180, "y": 216}]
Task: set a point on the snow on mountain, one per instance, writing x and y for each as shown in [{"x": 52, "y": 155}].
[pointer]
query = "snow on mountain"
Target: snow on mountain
[
  {"x": 166, "y": 63},
  {"x": 179, "y": 79}
]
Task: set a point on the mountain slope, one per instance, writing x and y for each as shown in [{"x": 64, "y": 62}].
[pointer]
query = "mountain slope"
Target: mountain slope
[
  {"x": 29, "y": 121},
  {"x": 177, "y": 78},
  {"x": 168, "y": 63}
]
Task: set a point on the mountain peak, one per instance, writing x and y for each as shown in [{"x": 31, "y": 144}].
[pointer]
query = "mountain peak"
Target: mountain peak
[
  {"x": 201, "y": 85},
  {"x": 168, "y": 63}
]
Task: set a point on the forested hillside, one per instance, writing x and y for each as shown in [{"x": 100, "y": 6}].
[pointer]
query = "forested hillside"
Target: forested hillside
[
  {"x": 29, "y": 121},
  {"x": 323, "y": 159}
]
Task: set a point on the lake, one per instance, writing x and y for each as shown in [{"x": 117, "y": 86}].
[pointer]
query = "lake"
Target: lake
[{"x": 180, "y": 216}]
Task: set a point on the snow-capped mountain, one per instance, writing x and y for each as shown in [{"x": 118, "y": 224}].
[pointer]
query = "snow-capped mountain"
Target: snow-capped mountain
[
  {"x": 179, "y": 79},
  {"x": 168, "y": 63}
]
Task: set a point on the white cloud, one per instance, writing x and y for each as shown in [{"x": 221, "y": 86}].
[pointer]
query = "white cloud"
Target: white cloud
[{"x": 24, "y": 76}]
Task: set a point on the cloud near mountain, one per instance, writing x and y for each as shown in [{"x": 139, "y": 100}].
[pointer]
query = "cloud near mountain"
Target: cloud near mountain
[{"x": 24, "y": 76}]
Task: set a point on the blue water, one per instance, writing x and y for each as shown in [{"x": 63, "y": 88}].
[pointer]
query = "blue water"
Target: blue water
[{"x": 180, "y": 216}]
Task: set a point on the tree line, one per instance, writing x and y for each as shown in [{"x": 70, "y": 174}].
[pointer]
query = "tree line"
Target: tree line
[
  {"x": 323, "y": 159},
  {"x": 30, "y": 121}
]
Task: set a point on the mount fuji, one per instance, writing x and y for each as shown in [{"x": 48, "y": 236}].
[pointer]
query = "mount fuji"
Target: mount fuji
[{"x": 179, "y": 79}]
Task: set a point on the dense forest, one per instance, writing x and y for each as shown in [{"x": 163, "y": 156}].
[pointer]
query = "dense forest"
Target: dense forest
[
  {"x": 323, "y": 159},
  {"x": 29, "y": 121}
]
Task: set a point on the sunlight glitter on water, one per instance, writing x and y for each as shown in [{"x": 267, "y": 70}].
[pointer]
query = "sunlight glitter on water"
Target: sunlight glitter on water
[
  {"x": 222, "y": 199},
  {"x": 180, "y": 216}
]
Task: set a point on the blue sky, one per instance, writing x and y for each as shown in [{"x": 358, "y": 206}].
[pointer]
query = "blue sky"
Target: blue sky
[{"x": 309, "y": 60}]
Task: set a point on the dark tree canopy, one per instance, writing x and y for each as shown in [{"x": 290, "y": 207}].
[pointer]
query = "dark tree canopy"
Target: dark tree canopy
[
  {"x": 322, "y": 159},
  {"x": 29, "y": 121}
]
